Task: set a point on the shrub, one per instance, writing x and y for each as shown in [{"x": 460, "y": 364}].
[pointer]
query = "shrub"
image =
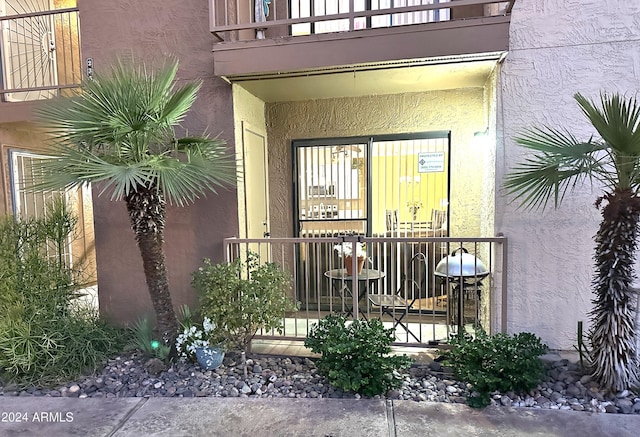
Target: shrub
[
  {"x": 241, "y": 297},
  {"x": 45, "y": 337},
  {"x": 355, "y": 357},
  {"x": 496, "y": 363},
  {"x": 142, "y": 338}
]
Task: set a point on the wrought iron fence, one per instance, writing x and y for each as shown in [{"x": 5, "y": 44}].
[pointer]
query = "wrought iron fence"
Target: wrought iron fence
[{"x": 412, "y": 284}]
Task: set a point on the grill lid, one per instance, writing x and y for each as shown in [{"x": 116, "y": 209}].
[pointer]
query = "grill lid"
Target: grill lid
[{"x": 461, "y": 264}]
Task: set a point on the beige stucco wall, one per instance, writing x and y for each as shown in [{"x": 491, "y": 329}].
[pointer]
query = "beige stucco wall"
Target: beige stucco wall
[
  {"x": 558, "y": 49},
  {"x": 460, "y": 111},
  {"x": 248, "y": 110}
]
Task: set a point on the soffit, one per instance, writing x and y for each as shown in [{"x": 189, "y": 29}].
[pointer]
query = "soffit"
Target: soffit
[{"x": 355, "y": 81}]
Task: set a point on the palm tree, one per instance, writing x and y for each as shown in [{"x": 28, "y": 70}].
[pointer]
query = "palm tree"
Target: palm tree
[
  {"x": 119, "y": 132},
  {"x": 558, "y": 164}
]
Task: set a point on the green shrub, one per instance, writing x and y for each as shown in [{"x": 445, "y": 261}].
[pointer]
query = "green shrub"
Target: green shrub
[
  {"x": 355, "y": 357},
  {"x": 42, "y": 351},
  {"x": 496, "y": 363},
  {"x": 242, "y": 297},
  {"x": 45, "y": 337}
]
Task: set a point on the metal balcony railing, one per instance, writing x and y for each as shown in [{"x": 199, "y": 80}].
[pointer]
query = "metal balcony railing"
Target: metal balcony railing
[
  {"x": 238, "y": 20},
  {"x": 401, "y": 282},
  {"x": 40, "y": 54}
]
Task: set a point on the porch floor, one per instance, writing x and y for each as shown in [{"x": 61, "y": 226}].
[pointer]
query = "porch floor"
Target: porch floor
[
  {"x": 422, "y": 352},
  {"x": 422, "y": 355}
]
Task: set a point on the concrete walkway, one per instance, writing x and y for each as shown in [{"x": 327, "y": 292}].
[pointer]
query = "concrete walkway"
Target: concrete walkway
[{"x": 233, "y": 417}]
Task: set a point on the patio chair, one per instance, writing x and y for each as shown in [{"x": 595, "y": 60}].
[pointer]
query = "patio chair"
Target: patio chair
[
  {"x": 438, "y": 225},
  {"x": 391, "y": 220},
  {"x": 398, "y": 305}
]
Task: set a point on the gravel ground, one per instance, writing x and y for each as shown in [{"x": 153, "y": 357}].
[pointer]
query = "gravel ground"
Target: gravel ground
[{"x": 566, "y": 387}]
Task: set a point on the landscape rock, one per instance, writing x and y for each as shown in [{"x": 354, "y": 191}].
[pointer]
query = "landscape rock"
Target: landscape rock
[{"x": 298, "y": 377}]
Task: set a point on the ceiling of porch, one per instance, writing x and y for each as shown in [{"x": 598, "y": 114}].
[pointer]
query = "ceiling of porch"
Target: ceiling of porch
[{"x": 372, "y": 79}]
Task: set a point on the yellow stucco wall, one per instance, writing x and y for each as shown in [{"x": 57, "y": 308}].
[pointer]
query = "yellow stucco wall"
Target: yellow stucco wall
[
  {"x": 25, "y": 138},
  {"x": 248, "y": 110},
  {"x": 460, "y": 111}
]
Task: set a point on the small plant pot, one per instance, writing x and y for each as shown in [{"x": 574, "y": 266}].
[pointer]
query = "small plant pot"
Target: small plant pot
[
  {"x": 348, "y": 264},
  {"x": 209, "y": 358}
]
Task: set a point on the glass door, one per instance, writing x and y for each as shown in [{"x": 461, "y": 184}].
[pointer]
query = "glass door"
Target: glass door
[
  {"x": 410, "y": 182},
  {"x": 386, "y": 186},
  {"x": 391, "y": 185}
]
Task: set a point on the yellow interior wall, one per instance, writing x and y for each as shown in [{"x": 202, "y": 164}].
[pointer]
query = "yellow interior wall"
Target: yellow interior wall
[{"x": 387, "y": 172}]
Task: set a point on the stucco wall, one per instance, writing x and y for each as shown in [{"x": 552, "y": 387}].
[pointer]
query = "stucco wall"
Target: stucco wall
[
  {"x": 558, "y": 48},
  {"x": 460, "y": 111},
  {"x": 248, "y": 110},
  {"x": 153, "y": 30},
  {"x": 24, "y": 137}
]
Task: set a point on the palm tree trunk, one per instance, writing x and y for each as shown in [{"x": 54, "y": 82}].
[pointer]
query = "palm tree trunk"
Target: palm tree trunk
[
  {"x": 147, "y": 212},
  {"x": 612, "y": 319}
]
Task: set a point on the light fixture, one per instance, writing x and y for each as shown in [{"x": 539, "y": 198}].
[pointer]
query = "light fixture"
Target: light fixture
[{"x": 483, "y": 133}]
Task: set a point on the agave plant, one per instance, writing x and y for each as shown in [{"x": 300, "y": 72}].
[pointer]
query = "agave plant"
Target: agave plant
[
  {"x": 559, "y": 163},
  {"x": 119, "y": 132}
]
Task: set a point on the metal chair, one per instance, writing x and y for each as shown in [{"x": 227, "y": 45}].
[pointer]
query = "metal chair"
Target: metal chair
[{"x": 398, "y": 305}]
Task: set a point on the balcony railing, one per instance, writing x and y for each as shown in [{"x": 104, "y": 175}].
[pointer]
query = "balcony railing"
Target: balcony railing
[
  {"x": 242, "y": 20},
  {"x": 40, "y": 54},
  {"x": 399, "y": 284}
]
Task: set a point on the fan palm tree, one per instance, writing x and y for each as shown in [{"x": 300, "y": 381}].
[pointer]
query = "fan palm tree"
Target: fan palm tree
[
  {"x": 119, "y": 132},
  {"x": 558, "y": 164}
]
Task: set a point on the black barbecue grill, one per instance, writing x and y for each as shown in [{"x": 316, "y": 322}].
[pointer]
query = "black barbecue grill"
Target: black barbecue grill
[{"x": 464, "y": 273}]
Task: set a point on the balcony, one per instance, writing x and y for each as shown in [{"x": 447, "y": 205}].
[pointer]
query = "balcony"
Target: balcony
[
  {"x": 402, "y": 283},
  {"x": 323, "y": 34},
  {"x": 40, "y": 59}
]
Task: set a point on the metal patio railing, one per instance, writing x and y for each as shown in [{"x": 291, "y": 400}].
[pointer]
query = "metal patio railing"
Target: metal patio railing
[
  {"x": 402, "y": 283},
  {"x": 40, "y": 54},
  {"x": 230, "y": 19}
]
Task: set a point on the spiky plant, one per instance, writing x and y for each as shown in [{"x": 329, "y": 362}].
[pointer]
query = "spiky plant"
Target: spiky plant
[
  {"x": 558, "y": 163},
  {"x": 119, "y": 132}
]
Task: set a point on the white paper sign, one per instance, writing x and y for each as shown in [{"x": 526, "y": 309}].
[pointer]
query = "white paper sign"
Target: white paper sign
[{"x": 430, "y": 162}]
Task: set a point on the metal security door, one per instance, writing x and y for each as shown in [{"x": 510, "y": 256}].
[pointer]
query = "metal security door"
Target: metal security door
[
  {"x": 332, "y": 193},
  {"x": 28, "y": 50}
]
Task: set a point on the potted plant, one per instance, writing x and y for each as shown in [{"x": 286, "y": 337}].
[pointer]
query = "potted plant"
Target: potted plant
[
  {"x": 345, "y": 250},
  {"x": 414, "y": 206},
  {"x": 199, "y": 342}
]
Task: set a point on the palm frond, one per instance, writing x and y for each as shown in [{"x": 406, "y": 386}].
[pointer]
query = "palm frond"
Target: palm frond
[
  {"x": 120, "y": 131},
  {"x": 178, "y": 104},
  {"x": 558, "y": 164},
  {"x": 74, "y": 167},
  {"x": 203, "y": 163},
  {"x": 617, "y": 121}
]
